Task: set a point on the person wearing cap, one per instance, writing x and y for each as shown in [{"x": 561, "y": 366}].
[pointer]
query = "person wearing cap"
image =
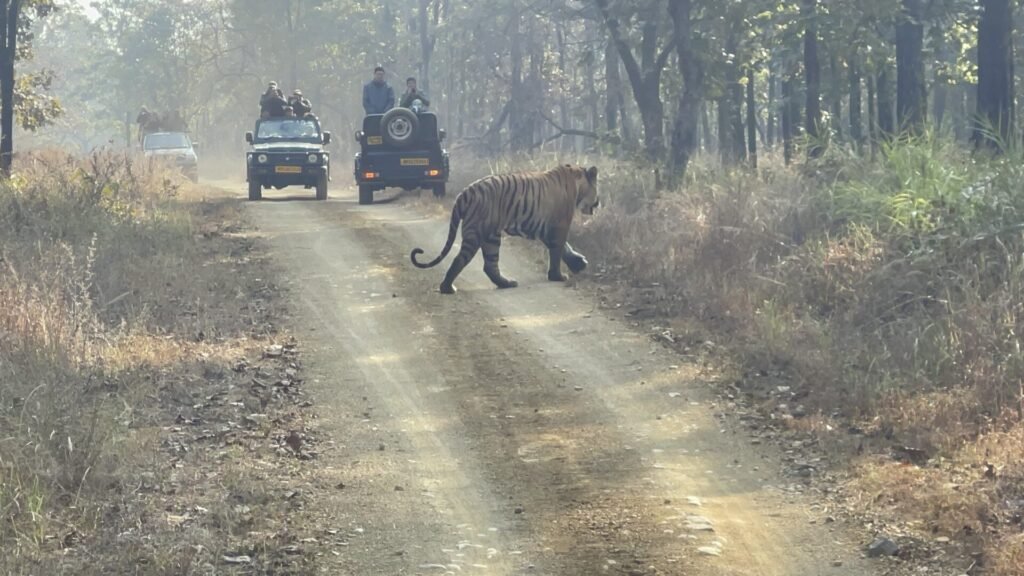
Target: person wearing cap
[
  {"x": 299, "y": 103},
  {"x": 272, "y": 102},
  {"x": 271, "y": 90},
  {"x": 412, "y": 94},
  {"x": 378, "y": 96}
]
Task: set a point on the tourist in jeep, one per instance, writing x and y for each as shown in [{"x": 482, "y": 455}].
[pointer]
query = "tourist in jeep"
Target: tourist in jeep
[
  {"x": 272, "y": 102},
  {"x": 300, "y": 104},
  {"x": 412, "y": 94},
  {"x": 378, "y": 96},
  {"x": 268, "y": 93}
]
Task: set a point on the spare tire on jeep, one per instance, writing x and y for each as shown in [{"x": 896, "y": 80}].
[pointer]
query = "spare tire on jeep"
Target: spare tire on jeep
[{"x": 399, "y": 127}]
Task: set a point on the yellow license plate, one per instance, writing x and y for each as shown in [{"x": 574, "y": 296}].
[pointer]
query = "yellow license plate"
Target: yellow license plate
[
  {"x": 374, "y": 140},
  {"x": 288, "y": 169},
  {"x": 415, "y": 161}
]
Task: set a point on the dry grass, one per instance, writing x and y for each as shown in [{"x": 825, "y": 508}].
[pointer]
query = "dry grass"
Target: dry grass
[
  {"x": 1009, "y": 556},
  {"x": 116, "y": 311},
  {"x": 888, "y": 295}
]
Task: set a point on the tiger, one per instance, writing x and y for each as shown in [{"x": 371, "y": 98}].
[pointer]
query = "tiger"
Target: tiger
[{"x": 534, "y": 205}]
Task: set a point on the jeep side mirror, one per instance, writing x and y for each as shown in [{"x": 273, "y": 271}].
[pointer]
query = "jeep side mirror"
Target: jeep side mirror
[
  {"x": 327, "y": 138},
  {"x": 195, "y": 145},
  {"x": 442, "y": 134},
  {"x": 248, "y": 137},
  {"x": 359, "y": 135}
]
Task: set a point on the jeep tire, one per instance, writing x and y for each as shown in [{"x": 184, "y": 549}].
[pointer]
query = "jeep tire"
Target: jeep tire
[
  {"x": 321, "y": 187},
  {"x": 399, "y": 126},
  {"x": 439, "y": 190},
  {"x": 255, "y": 190},
  {"x": 365, "y": 195}
]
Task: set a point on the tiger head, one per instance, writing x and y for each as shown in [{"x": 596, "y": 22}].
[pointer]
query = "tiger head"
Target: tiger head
[{"x": 586, "y": 190}]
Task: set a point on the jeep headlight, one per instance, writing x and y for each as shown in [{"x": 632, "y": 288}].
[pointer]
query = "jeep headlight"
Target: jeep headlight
[
  {"x": 262, "y": 158},
  {"x": 313, "y": 158}
]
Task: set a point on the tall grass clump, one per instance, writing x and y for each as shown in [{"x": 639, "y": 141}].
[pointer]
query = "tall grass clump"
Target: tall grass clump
[
  {"x": 91, "y": 251},
  {"x": 870, "y": 282},
  {"x": 888, "y": 293}
]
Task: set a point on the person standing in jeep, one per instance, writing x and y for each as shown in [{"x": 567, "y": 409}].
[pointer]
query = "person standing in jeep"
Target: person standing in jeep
[
  {"x": 378, "y": 96},
  {"x": 272, "y": 102},
  {"x": 412, "y": 94},
  {"x": 300, "y": 104}
]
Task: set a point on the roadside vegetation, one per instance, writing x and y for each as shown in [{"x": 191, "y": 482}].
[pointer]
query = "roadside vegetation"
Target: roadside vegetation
[
  {"x": 131, "y": 320},
  {"x": 882, "y": 298}
]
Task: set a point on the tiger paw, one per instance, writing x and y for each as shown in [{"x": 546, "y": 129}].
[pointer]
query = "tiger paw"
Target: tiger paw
[
  {"x": 577, "y": 264},
  {"x": 508, "y": 284},
  {"x": 556, "y": 277},
  {"x": 447, "y": 289}
]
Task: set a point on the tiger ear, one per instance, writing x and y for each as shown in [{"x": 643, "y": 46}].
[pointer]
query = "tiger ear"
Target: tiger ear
[{"x": 592, "y": 174}]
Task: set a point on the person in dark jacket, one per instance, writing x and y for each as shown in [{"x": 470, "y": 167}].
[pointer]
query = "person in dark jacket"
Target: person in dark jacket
[
  {"x": 300, "y": 104},
  {"x": 411, "y": 94},
  {"x": 378, "y": 96},
  {"x": 269, "y": 93},
  {"x": 272, "y": 103}
]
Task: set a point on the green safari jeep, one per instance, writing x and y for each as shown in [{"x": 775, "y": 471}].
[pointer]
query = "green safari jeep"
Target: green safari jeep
[{"x": 288, "y": 152}]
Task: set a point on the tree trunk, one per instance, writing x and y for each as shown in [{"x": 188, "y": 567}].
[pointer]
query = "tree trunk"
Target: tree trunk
[
  {"x": 563, "y": 89},
  {"x": 872, "y": 117},
  {"x": 995, "y": 75},
  {"x": 463, "y": 92},
  {"x": 856, "y": 122},
  {"x": 788, "y": 109},
  {"x": 725, "y": 147},
  {"x": 963, "y": 128},
  {"x": 941, "y": 95},
  {"x": 520, "y": 128},
  {"x": 705, "y": 127},
  {"x": 535, "y": 92},
  {"x": 835, "y": 93},
  {"x": 613, "y": 88},
  {"x": 883, "y": 93},
  {"x": 293, "y": 58},
  {"x": 691, "y": 68},
  {"x": 10, "y": 13},
  {"x": 734, "y": 100},
  {"x": 644, "y": 77},
  {"x": 941, "y": 89},
  {"x": 911, "y": 94},
  {"x": 594, "y": 99},
  {"x": 426, "y": 46},
  {"x": 772, "y": 115},
  {"x": 970, "y": 110},
  {"x": 652, "y": 115},
  {"x": 751, "y": 120},
  {"x": 812, "y": 72}
]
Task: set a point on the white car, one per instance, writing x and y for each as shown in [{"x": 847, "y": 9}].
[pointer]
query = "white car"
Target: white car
[{"x": 176, "y": 146}]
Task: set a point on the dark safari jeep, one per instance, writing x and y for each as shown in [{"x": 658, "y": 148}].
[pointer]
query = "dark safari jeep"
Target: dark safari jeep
[
  {"x": 288, "y": 152},
  {"x": 402, "y": 149}
]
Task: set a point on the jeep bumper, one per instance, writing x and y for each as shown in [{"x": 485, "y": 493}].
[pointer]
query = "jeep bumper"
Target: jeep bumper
[
  {"x": 386, "y": 170},
  {"x": 281, "y": 176}
]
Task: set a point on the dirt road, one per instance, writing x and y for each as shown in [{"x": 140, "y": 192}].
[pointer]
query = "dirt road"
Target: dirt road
[{"x": 518, "y": 431}]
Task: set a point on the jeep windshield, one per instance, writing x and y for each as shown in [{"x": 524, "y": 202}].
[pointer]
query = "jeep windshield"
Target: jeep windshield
[
  {"x": 166, "y": 141},
  {"x": 290, "y": 129}
]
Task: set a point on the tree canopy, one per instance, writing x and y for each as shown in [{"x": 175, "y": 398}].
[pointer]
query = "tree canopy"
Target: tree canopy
[{"x": 658, "y": 80}]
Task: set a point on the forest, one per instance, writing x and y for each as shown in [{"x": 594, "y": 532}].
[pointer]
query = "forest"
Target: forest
[
  {"x": 654, "y": 80},
  {"x": 822, "y": 197}
]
